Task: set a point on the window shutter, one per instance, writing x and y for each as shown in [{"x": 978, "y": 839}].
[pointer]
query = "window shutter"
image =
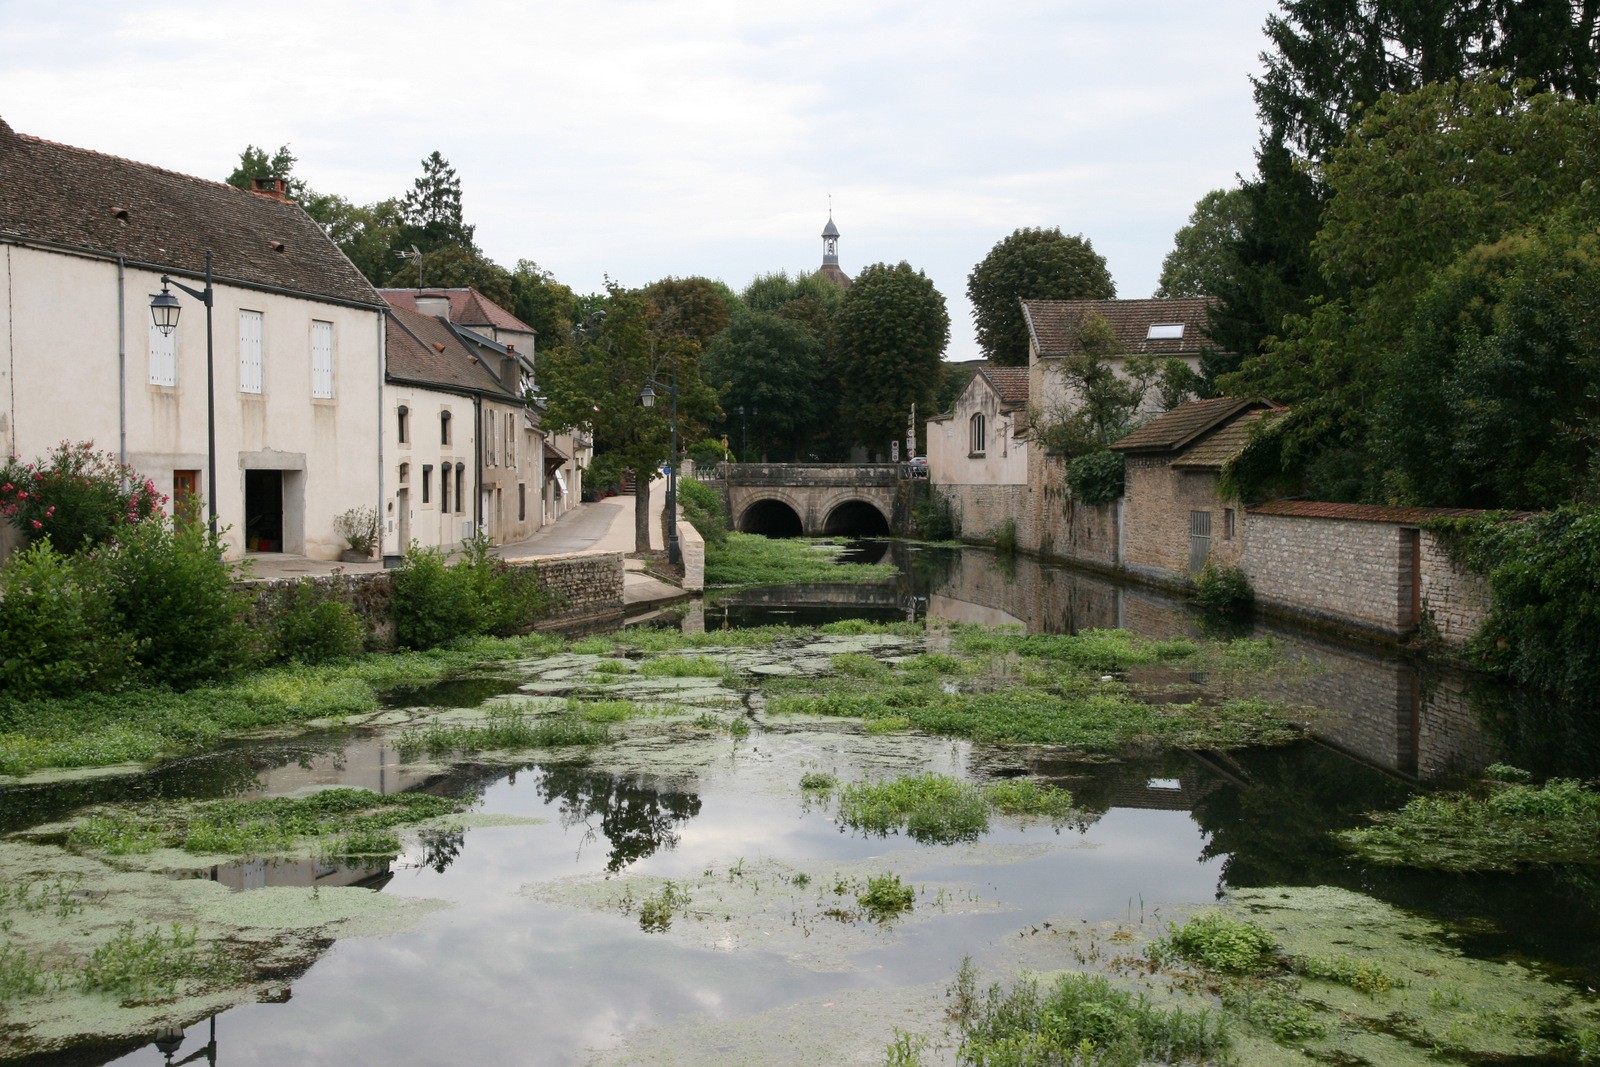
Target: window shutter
[
  {"x": 322, "y": 360},
  {"x": 163, "y": 357},
  {"x": 250, "y": 352}
]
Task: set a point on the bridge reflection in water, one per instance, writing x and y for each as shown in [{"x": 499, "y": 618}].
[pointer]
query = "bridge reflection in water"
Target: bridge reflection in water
[{"x": 1417, "y": 721}]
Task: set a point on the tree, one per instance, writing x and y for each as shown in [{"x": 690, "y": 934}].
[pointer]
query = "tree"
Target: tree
[
  {"x": 595, "y": 384},
  {"x": 697, "y": 308},
  {"x": 255, "y": 163},
  {"x": 543, "y": 303},
  {"x": 431, "y": 211},
  {"x": 763, "y": 362},
  {"x": 453, "y": 266},
  {"x": 1031, "y": 264},
  {"x": 1204, "y": 252},
  {"x": 892, "y": 333}
]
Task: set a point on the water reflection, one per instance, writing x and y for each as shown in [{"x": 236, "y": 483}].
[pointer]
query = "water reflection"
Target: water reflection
[
  {"x": 636, "y": 817},
  {"x": 321, "y": 872}
]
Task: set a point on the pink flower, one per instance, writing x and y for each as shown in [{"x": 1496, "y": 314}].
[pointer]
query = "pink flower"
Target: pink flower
[{"x": 37, "y": 524}]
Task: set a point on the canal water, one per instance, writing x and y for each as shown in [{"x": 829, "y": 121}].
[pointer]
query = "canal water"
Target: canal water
[{"x": 541, "y": 957}]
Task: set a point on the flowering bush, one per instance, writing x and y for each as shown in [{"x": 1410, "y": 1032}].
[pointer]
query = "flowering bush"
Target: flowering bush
[{"x": 76, "y": 497}]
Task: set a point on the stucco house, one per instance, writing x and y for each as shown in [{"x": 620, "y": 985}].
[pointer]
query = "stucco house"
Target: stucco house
[
  {"x": 477, "y": 319},
  {"x": 1174, "y": 518},
  {"x": 978, "y": 451},
  {"x": 297, "y": 336}
]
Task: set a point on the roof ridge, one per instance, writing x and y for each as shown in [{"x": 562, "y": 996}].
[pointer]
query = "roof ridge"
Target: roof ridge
[{"x": 140, "y": 163}]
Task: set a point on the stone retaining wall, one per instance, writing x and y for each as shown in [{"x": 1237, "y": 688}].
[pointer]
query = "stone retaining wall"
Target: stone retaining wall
[
  {"x": 1344, "y": 572},
  {"x": 1456, "y": 601},
  {"x": 589, "y": 588}
]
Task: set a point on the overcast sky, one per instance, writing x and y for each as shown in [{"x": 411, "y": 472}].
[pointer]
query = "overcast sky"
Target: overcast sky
[{"x": 641, "y": 139}]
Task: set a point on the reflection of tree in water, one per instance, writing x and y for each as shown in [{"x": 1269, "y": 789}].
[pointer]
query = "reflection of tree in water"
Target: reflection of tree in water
[
  {"x": 636, "y": 818},
  {"x": 441, "y": 847},
  {"x": 1538, "y": 732}
]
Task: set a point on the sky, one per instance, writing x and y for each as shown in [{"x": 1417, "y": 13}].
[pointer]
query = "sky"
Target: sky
[{"x": 637, "y": 139}]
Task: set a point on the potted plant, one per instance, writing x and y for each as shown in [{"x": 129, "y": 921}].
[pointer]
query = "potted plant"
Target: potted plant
[{"x": 359, "y": 526}]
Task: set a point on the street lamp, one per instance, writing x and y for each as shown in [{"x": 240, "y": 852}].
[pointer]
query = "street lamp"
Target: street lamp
[
  {"x": 647, "y": 396},
  {"x": 164, "y": 311}
]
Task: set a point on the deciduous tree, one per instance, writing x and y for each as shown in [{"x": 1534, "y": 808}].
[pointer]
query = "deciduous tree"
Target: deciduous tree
[
  {"x": 892, "y": 332},
  {"x": 1031, "y": 264},
  {"x": 1204, "y": 252},
  {"x": 763, "y": 362}
]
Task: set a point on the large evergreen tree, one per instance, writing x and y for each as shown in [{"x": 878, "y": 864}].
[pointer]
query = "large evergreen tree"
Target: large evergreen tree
[
  {"x": 1031, "y": 264},
  {"x": 431, "y": 211}
]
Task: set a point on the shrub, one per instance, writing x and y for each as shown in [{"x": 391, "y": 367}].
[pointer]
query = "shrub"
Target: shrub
[
  {"x": 58, "y": 631},
  {"x": 1004, "y": 537},
  {"x": 1218, "y": 943},
  {"x": 431, "y": 605},
  {"x": 359, "y": 526},
  {"x": 706, "y": 454},
  {"x": 178, "y": 600},
  {"x": 702, "y": 506},
  {"x": 1096, "y": 478},
  {"x": 935, "y": 518},
  {"x": 1222, "y": 590},
  {"x": 314, "y": 627},
  {"x": 76, "y": 497}
]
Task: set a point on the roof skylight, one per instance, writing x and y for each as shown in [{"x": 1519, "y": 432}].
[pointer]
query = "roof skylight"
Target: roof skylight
[{"x": 1165, "y": 331}]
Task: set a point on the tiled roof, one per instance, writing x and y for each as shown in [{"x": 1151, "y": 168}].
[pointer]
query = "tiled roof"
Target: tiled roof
[
  {"x": 158, "y": 218},
  {"x": 1010, "y": 384},
  {"x": 835, "y": 274},
  {"x": 423, "y": 351},
  {"x": 1054, "y": 324},
  {"x": 1172, "y": 430},
  {"x": 1213, "y": 451},
  {"x": 1316, "y": 509},
  {"x": 467, "y": 306}
]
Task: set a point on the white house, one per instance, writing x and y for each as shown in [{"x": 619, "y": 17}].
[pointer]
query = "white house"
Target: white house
[
  {"x": 978, "y": 451},
  {"x": 297, "y": 338}
]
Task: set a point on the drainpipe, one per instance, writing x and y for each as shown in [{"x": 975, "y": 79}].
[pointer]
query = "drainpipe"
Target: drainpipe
[
  {"x": 383, "y": 358},
  {"x": 122, "y": 360},
  {"x": 477, "y": 462}
]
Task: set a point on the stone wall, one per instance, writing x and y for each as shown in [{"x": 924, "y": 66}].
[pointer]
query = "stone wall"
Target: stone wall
[
  {"x": 1157, "y": 519},
  {"x": 1062, "y": 527},
  {"x": 589, "y": 588},
  {"x": 1348, "y": 573},
  {"x": 981, "y": 509},
  {"x": 1456, "y": 601},
  {"x": 693, "y": 549}
]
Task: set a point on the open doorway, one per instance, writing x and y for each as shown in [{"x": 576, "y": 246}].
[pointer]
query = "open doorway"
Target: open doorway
[{"x": 263, "y": 511}]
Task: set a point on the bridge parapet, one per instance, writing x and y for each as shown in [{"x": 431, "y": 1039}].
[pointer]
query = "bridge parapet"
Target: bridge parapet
[{"x": 812, "y": 475}]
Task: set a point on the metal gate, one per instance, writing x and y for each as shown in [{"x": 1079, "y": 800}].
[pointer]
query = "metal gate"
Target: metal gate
[{"x": 1199, "y": 540}]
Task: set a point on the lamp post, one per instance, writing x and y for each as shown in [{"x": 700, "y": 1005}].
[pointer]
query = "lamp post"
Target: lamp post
[
  {"x": 647, "y": 396},
  {"x": 164, "y": 311}
]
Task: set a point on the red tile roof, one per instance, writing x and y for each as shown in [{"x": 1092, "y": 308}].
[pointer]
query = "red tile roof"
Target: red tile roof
[
  {"x": 1184, "y": 424},
  {"x": 423, "y": 351},
  {"x": 1213, "y": 451},
  {"x": 1053, "y": 324},
  {"x": 467, "y": 307},
  {"x": 160, "y": 219},
  {"x": 1316, "y": 509},
  {"x": 1010, "y": 384}
]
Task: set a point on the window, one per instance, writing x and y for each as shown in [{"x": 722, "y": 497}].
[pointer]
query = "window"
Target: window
[
  {"x": 488, "y": 438},
  {"x": 405, "y": 425},
  {"x": 185, "y": 487},
  {"x": 250, "y": 352},
  {"x": 511, "y": 440},
  {"x": 1199, "y": 540},
  {"x": 321, "y": 360},
  {"x": 163, "y": 357},
  {"x": 1227, "y": 524},
  {"x": 1164, "y": 331},
  {"x": 427, "y": 481},
  {"x": 405, "y": 473},
  {"x": 444, "y": 427},
  {"x": 522, "y": 501},
  {"x": 461, "y": 493},
  {"x": 444, "y": 493},
  {"x": 978, "y": 434}
]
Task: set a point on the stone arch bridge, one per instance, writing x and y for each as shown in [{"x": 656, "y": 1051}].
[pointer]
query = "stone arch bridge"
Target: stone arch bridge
[{"x": 812, "y": 499}]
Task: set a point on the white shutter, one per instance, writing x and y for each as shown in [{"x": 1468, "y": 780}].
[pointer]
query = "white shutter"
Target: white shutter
[
  {"x": 163, "y": 357},
  {"x": 322, "y": 359},
  {"x": 249, "y": 351}
]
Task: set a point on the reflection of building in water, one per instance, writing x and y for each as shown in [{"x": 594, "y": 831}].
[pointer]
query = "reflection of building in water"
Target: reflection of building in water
[
  {"x": 1374, "y": 706},
  {"x": 322, "y": 873},
  {"x": 363, "y": 763}
]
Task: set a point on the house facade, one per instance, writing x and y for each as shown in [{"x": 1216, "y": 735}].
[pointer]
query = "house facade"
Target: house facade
[
  {"x": 978, "y": 451},
  {"x": 296, "y": 338},
  {"x": 1174, "y": 518}
]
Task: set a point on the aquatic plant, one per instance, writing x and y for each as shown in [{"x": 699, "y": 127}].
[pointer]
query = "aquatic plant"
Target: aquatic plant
[
  {"x": 1215, "y": 942},
  {"x": 750, "y": 559},
  {"x": 1360, "y": 975},
  {"x": 504, "y": 729},
  {"x": 931, "y": 808},
  {"x": 21, "y": 974},
  {"x": 657, "y": 911},
  {"x": 817, "y": 780},
  {"x": 886, "y": 897},
  {"x": 1222, "y": 590},
  {"x": 680, "y": 667},
  {"x": 1512, "y": 825},
  {"x": 148, "y": 965},
  {"x": 858, "y": 665},
  {"x": 1082, "y": 1019},
  {"x": 1024, "y": 796}
]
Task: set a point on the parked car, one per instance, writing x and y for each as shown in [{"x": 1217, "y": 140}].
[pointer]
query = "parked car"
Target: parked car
[{"x": 919, "y": 466}]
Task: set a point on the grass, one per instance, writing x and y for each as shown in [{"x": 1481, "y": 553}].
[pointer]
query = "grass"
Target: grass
[
  {"x": 751, "y": 560},
  {"x": 1079, "y": 1019},
  {"x": 1509, "y": 826},
  {"x": 350, "y": 822},
  {"x": 507, "y": 729},
  {"x": 139, "y": 725},
  {"x": 21, "y": 975},
  {"x": 818, "y": 781}
]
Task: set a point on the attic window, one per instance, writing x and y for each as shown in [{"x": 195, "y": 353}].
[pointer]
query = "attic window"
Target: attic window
[
  {"x": 276, "y": 246},
  {"x": 119, "y": 213},
  {"x": 1165, "y": 331}
]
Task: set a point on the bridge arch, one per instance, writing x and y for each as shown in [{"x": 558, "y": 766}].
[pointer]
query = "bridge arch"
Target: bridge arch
[
  {"x": 772, "y": 516},
  {"x": 862, "y": 518}
]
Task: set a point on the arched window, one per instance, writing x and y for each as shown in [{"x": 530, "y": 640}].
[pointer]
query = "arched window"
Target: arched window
[
  {"x": 978, "y": 434},
  {"x": 405, "y": 473},
  {"x": 444, "y": 427}
]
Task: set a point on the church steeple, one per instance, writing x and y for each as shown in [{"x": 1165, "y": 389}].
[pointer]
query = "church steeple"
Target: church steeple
[{"x": 830, "y": 253}]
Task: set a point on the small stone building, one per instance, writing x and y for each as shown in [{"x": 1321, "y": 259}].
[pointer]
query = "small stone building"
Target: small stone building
[
  {"x": 978, "y": 451},
  {"x": 1174, "y": 518}
]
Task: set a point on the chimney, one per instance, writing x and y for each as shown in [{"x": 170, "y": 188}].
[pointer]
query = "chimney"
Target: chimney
[
  {"x": 509, "y": 371},
  {"x": 270, "y": 187},
  {"x": 435, "y": 304}
]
